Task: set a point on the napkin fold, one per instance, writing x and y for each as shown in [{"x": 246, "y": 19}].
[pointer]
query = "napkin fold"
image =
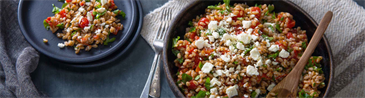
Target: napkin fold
[
  {"x": 345, "y": 34},
  {"x": 17, "y": 58}
]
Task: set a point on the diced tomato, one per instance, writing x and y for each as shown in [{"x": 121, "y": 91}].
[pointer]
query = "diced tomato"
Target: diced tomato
[
  {"x": 253, "y": 9},
  {"x": 192, "y": 35},
  {"x": 280, "y": 15},
  {"x": 207, "y": 51},
  {"x": 191, "y": 50},
  {"x": 244, "y": 61},
  {"x": 192, "y": 86},
  {"x": 82, "y": 3},
  {"x": 48, "y": 19},
  {"x": 116, "y": 31},
  {"x": 254, "y": 25},
  {"x": 238, "y": 15},
  {"x": 256, "y": 32},
  {"x": 96, "y": 36},
  {"x": 84, "y": 39},
  {"x": 296, "y": 52},
  {"x": 84, "y": 22},
  {"x": 62, "y": 13},
  {"x": 197, "y": 60},
  {"x": 291, "y": 23},
  {"x": 53, "y": 23},
  {"x": 203, "y": 22},
  {"x": 280, "y": 44},
  {"x": 196, "y": 37},
  {"x": 112, "y": 4},
  {"x": 289, "y": 35},
  {"x": 67, "y": 1}
]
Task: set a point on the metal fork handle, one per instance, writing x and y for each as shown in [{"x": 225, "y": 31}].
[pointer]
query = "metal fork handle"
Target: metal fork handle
[
  {"x": 148, "y": 82},
  {"x": 155, "y": 86}
]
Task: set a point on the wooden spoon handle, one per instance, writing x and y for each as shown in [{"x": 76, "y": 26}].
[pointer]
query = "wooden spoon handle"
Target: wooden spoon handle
[{"x": 317, "y": 36}]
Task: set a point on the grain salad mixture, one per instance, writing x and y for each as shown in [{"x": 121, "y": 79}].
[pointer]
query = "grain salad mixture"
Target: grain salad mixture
[
  {"x": 85, "y": 23},
  {"x": 242, "y": 51}
]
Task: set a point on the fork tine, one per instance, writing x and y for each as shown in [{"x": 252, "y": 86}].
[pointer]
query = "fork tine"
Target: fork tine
[
  {"x": 159, "y": 31},
  {"x": 166, "y": 27}
]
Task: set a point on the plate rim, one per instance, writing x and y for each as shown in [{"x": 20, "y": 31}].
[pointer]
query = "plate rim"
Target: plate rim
[{"x": 87, "y": 59}]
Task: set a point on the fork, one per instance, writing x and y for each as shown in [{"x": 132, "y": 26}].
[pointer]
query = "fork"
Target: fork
[{"x": 154, "y": 89}]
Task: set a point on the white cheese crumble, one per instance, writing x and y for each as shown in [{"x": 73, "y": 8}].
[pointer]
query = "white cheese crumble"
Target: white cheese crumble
[
  {"x": 246, "y": 24},
  {"x": 81, "y": 9},
  {"x": 207, "y": 67},
  {"x": 89, "y": 17},
  {"x": 219, "y": 72},
  {"x": 259, "y": 63},
  {"x": 275, "y": 63},
  {"x": 284, "y": 54},
  {"x": 213, "y": 25},
  {"x": 251, "y": 70},
  {"x": 228, "y": 43},
  {"x": 214, "y": 90},
  {"x": 200, "y": 43},
  {"x": 87, "y": 28},
  {"x": 225, "y": 58},
  {"x": 249, "y": 31},
  {"x": 271, "y": 86},
  {"x": 245, "y": 38},
  {"x": 61, "y": 45},
  {"x": 212, "y": 96},
  {"x": 211, "y": 38},
  {"x": 98, "y": 31},
  {"x": 215, "y": 81},
  {"x": 240, "y": 46},
  {"x": 103, "y": 2},
  {"x": 229, "y": 19},
  {"x": 267, "y": 43},
  {"x": 274, "y": 48},
  {"x": 255, "y": 54},
  {"x": 231, "y": 91},
  {"x": 267, "y": 62},
  {"x": 100, "y": 10},
  {"x": 215, "y": 35},
  {"x": 226, "y": 36}
]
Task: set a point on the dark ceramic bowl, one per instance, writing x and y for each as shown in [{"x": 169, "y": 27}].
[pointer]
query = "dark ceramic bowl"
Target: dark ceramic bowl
[{"x": 177, "y": 28}]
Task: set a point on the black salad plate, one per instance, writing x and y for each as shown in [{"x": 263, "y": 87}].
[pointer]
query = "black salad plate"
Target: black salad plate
[
  {"x": 31, "y": 14},
  {"x": 106, "y": 61}
]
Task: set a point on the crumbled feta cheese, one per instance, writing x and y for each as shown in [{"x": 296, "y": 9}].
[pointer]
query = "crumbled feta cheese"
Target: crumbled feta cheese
[
  {"x": 215, "y": 81},
  {"x": 100, "y": 10},
  {"x": 81, "y": 9},
  {"x": 271, "y": 86},
  {"x": 226, "y": 36},
  {"x": 255, "y": 54},
  {"x": 88, "y": 3},
  {"x": 251, "y": 70},
  {"x": 249, "y": 31},
  {"x": 257, "y": 92},
  {"x": 257, "y": 44},
  {"x": 275, "y": 63},
  {"x": 229, "y": 19},
  {"x": 214, "y": 90},
  {"x": 69, "y": 30},
  {"x": 87, "y": 28},
  {"x": 246, "y": 24},
  {"x": 240, "y": 46},
  {"x": 238, "y": 67},
  {"x": 200, "y": 43},
  {"x": 98, "y": 31},
  {"x": 267, "y": 62},
  {"x": 61, "y": 45},
  {"x": 89, "y": 17},
  {"x": 228, "y": 43},
  {"x": 252, "y": 16},
  {"x": 245, "y": 95},
  {"x": 215, "y": 35},
  {"x": 245, "y": 85},
  {"x": 274, "y": 48},
  {"x": 212, "y": 96},
  {"x": 207, "y": 67},
  {"x": 284, "y": 54},
  {"x": 254, "y": 37},
  {"x": 259, "y": 63},
  {"x": 102, "y": 24},
  {"x": 211, "y": 38},
  {"x": 213, "y": 25},
  {"x": 219, "y": 72},
  {"x": 231, "y": 91},
  {"x": 103, "y": 2},
  {"x": 225, "y": 58},
  {"x": 245, "y": 38},
  {"x": 232, "y": 15},
  {"x": 106, "y": 26},
  {"x": 231, "y": 69},
  {"x": 79, "y": 37},
  {"x": 231, "y": 48},
  {"x": 267, "y": 43},
  {"x": 80, "y": 19}
]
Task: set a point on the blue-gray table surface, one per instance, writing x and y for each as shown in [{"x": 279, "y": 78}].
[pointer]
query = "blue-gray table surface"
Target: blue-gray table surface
[{"x": 124, "y": 78}]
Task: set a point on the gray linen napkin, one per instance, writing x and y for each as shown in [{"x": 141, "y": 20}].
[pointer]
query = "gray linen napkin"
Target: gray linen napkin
[
  {"x": 345, "y": 34},
  {"x": 17, "y": 58}
]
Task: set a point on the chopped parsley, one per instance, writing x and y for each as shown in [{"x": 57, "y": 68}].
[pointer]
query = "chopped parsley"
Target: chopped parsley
[
  {"x": 175, "y": 52},
  {"x": 201, "y": 94},
  {"x": 240, "y": 18},
  {"x": 99, "y": 14},
  {"x": 274, "y": 55},
  {"x": 304, "y": 45},
  {"x": 197, "y": 77},
  {"x": 119, "y": 12},
  {"x": 174, "y": 41},
  {"x": 227, "y": 5},
  {"x": 190, "y": 23},
  {"x": 55, "y": 9},
  {"x": 235, "y": 62},
  {"x": 181, "y": 60},
  {"x": 64, "y": 5},
  {"x": 73, "y": 33},
  {"x": 273, "y": 15},
  {"x": 248, "y": 50},
  {"x": 200, "y": 65},
  {"x": 185, "y": 77},
  {"x": 46, "y": 25},
  {"x": 221, "y": 31},
  {"x": 61, "y": 25},
  {"x": 207, "y": 83},
  {"x": 214, "y": 7},
  {"x": 278, "y": 28},
  {"x": 267, "y": 37},
  {"x": 253, "y": 94},
  {"x": 192, "y": 29},
  {"x": 271, "y": 8}
]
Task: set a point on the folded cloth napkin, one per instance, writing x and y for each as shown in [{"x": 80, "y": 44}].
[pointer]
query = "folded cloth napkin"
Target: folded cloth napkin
[
  {"x": 345, "y": 34},
  {"x": 17, "y": 58}
]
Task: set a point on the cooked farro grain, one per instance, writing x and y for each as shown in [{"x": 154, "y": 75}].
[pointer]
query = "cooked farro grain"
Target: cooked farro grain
[
  {"x": 85, "y": 23},
  {"x": 242, "y": 51}
]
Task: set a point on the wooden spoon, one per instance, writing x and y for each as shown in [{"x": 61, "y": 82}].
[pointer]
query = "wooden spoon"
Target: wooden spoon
[{"x": 289, "y": 85}]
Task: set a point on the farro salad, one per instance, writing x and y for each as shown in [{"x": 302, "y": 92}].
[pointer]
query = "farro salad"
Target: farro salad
[
  {"x": 85, "y": 23},
  {"x": 242, "y": 51}
]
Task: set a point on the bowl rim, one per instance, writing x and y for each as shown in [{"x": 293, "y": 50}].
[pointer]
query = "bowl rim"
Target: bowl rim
[{"x": 170, "y": 79}]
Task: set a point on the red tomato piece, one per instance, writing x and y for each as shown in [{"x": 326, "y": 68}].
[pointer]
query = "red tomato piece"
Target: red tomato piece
[
  {"x": 253, "y": 9},
  {"x": 62, "y": 13},
  {"x": 96, "y": 37},
  {"x": 82, "y": 3},
  {"x": 192, "y": 85},
  {"x": 291, "y": 23},
  {"x": 112, "y": 4},
  {"x": 192, "y": 35},
  {"x": 289, "y": 35},
  {"x": 84, "y": 22},
  {"x": 203, "y": 22},
  {"x": 67, "y": 1}
]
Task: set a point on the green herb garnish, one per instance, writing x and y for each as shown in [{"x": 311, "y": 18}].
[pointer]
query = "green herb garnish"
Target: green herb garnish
[
  {"x": 190, "y": 23},
  {"x": 253, "y": 94},
  {"x": 73, "y": 33},
  {"x": 274, "y": 55},
  {"x": 214, "y": 7},
  {"x": 55, "y": 9},
  {"x": 174, "y": 41},
  {"x": 235, "y": 62},
  {"x": 227, "y": 5},
  {"x": 304, "y": 45},
  {"x": 248, "y": 50},
  {"x": 119, "y": 12},
  {"x": 273, "y": 16},
  {"x": 240, "y": 18},
  {"x": 271, "y": 8},
  {"x": 46, "y": 25},
  {"x": 278, "y": 28},
  {"x": 64, "y": 5},
  {"x": 61, "y": 25},
  {"x": 207, "y": 83},
  {"x": 181, "y": 60},
  {"x": 201, "y": 94},
  {"x": 200, "y": 65},
  {"x": 175, "y": 52},
  {"x": 185, "y": 77},
  {"x": 197, "y": 77}
]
